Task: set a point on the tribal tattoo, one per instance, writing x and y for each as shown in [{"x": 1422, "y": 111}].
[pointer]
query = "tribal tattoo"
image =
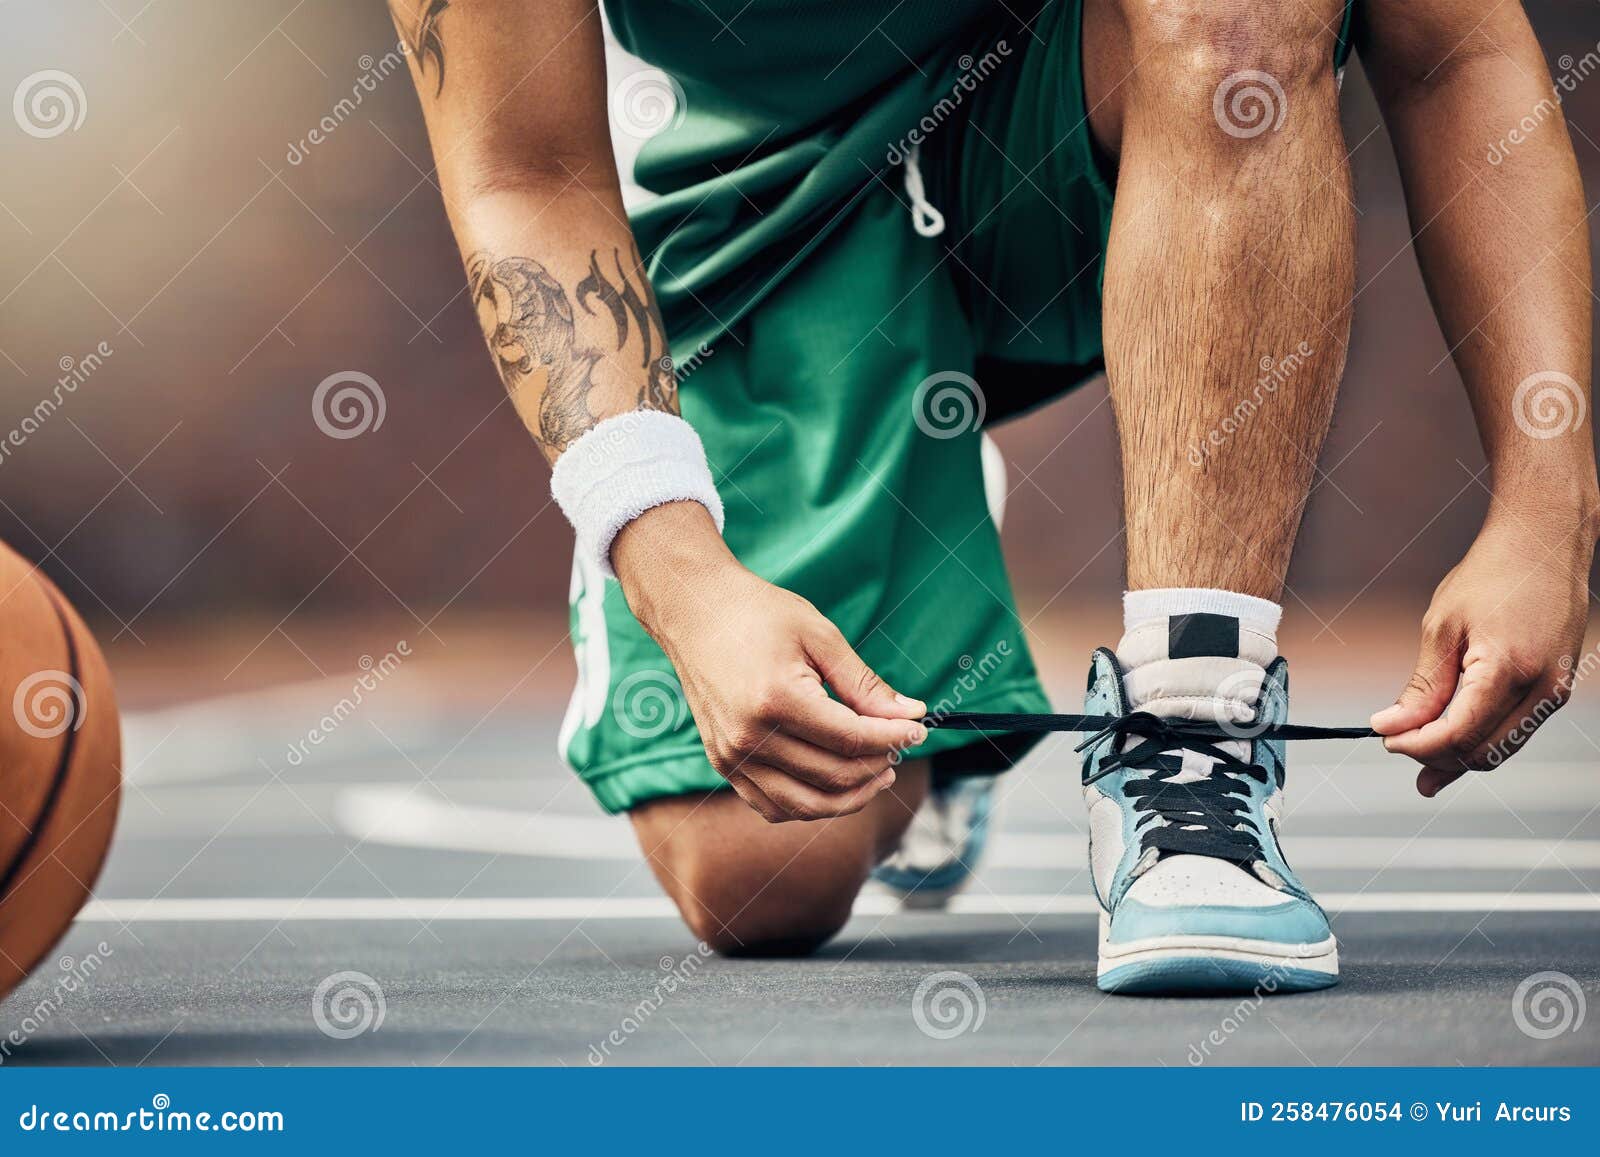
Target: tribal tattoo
[
  {"x": 424, "y": 41},
  {"x": 660, "y": 388},
  {"x": 531, "y": 328}
]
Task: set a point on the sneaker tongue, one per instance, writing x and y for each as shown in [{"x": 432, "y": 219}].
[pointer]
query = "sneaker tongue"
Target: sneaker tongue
[
  {"x": 1198, "y": 666},
  {"x": 1205, "y": 667},
  {"x": 1212, "y": 689},
  {"x": 1201, "y": 667}
]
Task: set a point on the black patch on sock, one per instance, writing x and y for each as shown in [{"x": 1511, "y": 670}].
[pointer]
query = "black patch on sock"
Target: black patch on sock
[{"x": 1196, "y": 636}]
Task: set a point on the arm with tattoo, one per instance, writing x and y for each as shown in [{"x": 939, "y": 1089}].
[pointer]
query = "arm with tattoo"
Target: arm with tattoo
[
  {"x": 419, "y": 32},
  {"x": 556, "y": 360},
  {"x": 525, "y": 165}
]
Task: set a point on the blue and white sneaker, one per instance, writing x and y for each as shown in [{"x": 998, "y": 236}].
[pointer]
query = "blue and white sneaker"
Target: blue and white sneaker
[
  {"x": 1195, "y": 894},
  {"x": 942, "y": 846}
]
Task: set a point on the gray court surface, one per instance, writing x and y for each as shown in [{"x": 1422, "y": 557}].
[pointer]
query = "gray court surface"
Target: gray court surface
[{"x": 431, "y": 887}]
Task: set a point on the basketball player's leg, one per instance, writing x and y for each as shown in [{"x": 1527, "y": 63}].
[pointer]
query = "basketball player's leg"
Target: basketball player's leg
[
  {"x": 1229, "y": 274},
  {"x": 1228, "y": 283},
  {"x": 749, "y": 888}
]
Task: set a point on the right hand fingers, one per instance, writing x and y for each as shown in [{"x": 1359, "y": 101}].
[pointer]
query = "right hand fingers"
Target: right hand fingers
[
  {"x": 778, "y": 797},
  {"x": 832, "y": 726},
  {"x": 811, "y": 736},
  {"x": 855, "y": 683},
  {"x": 820, "y": 768}
]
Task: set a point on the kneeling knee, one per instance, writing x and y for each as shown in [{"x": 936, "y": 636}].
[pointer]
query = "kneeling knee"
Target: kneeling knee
[
  {"x": 778, "y": 919},
  {"x": 736, "y": 938}
]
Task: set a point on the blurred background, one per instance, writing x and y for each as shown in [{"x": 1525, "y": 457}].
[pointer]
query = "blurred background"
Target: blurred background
[
  {"x": 341, "y": 649},
  {"x": 181, "y": 251}
]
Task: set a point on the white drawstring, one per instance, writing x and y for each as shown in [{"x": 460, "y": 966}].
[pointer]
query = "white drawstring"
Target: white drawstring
[{"x": 925, "y": 219}]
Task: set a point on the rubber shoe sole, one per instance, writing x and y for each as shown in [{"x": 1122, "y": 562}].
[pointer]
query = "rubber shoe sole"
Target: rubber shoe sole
[{"x": 1208, "y": 966}]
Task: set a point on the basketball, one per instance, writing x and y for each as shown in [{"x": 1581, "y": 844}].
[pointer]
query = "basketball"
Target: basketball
[{"x": 60, "y": 766}]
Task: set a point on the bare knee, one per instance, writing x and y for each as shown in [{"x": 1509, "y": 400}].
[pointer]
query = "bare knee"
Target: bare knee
[
  {"x": 749, "y": 888},
  {"x": 741, "y": 900},
  {"x": 1186, "y": 49},
  {"x": 785, "y": 920}
]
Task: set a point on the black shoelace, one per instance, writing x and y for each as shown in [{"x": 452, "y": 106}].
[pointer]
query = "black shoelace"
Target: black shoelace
[{"x": 1205, "y": 817}]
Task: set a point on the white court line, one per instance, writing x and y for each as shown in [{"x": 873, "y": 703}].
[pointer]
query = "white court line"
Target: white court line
[
  {"x": 396, "y": 815},
  {"x": 514, "y": 908}
]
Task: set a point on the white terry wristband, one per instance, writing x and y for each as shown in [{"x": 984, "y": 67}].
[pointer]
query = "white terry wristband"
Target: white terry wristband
[{"x": 624, "y": 466}]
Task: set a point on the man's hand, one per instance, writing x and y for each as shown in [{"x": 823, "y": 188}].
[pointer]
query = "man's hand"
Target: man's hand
[
  {"x": 1502, "y": 242},
  {"x": 754, "y": 661},
  {"x": 1498, "y": 645}
]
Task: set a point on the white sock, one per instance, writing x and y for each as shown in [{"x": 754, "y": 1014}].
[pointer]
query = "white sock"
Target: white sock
[{"x": 1195, "y": 653}]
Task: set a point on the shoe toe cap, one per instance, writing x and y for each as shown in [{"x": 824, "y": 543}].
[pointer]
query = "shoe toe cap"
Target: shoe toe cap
[
  {"x": 1198, "y": 896},
  {"x": 1295, "y": 921}
]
